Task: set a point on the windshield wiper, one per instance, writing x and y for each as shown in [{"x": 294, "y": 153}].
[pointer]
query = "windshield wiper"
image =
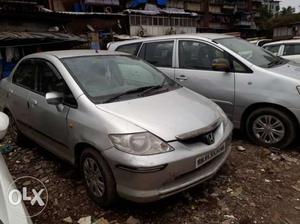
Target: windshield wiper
[
  {"x": 137, "y": 90},
  {"x": 277, "y": 62},
  {"x": 153, "y": 88}
]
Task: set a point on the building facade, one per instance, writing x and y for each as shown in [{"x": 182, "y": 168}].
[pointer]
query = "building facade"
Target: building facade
[{"x": 160, "y": 17}]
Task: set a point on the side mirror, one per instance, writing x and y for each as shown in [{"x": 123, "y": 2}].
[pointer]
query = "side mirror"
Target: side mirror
[
  {"x": 54, "y": 98},
  {"x": 221, "y": 64}
]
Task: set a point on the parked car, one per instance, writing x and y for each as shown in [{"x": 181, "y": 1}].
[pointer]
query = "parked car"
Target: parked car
[
  {"x": 260, "y": 42},
  {"x": 130, "y": 129},
  {"x": 288, "y": 49},
  {"x": 9, "y": 213},
  {"x": 258, "y": 91}
]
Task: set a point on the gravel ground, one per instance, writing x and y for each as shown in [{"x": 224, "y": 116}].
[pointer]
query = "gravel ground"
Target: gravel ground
[{"x": 256, "y": 185}]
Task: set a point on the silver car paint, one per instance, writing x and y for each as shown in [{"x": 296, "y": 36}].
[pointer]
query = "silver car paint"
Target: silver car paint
[
  {"x": 9, "y": 213},
  {"x": 237, "y": 92},
  {"x": 165, "y": 115}
]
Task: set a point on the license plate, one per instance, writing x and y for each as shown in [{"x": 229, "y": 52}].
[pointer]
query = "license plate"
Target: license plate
[{"x": 200, "y": 161}]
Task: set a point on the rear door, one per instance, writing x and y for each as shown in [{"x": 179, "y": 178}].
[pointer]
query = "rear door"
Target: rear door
[
  {"x": 194, "y": 71},
  {"x": 23, "y": 81},
  {"x": 161, "y": 54}
]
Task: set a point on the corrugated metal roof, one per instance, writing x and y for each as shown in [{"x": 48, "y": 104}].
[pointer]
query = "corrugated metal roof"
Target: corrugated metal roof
[{"x": 19, "y": 38}]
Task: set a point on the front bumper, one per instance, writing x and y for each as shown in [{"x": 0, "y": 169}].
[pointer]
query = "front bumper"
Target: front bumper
[{"x": 150, "y": 178}]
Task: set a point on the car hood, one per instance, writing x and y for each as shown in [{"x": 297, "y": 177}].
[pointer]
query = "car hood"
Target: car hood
[
  {"x": 9, "y": 213},
  {"x": 291, "y": 69},
  {"x": 167, "y": 115}
]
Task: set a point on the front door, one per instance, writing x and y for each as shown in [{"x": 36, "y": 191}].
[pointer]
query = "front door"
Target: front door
[
  {"x": 49, "y": 123},
  {"x": 194, "y": 71}
]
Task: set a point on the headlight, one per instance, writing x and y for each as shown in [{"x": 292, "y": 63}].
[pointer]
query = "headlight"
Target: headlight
[
  {"x": 222, "y": 113},
  {"x": 143, "y": 143},
  {"x": 223, "y": 116}
]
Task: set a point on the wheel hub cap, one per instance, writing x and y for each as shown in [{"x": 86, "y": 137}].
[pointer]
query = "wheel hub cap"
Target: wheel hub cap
[{"x": 268, "y": 129}]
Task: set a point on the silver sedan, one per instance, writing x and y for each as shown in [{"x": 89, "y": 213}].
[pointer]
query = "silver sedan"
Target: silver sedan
[{"x": 130, "y": 129}]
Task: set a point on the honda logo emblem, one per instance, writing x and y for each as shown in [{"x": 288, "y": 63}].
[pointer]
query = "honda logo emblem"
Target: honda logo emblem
[{"x": 209, "y": 139}]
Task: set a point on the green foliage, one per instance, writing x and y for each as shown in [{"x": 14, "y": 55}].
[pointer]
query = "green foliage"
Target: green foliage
[
  {"x": 265, "y": 15},
  {"x": 287, "y": 11},
  {"x": 284, "y": 20}
]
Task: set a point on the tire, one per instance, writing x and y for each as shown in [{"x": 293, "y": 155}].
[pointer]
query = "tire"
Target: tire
[
  {"x": 281, "y": 125},
  {"x": 14, "y": 132},
  {"x": 107, "y": 195}
]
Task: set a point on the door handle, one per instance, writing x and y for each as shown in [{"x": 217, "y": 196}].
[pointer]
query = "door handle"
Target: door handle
[
  {"x": 181, "y": 78},
  {"x": 32, "y": 102},
  {"x": 10, "y": 91}
]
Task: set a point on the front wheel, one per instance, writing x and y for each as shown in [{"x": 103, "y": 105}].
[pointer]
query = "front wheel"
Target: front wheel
[
  {"x": 98, "y": 177},
  {"x": 270, "y": 127}
]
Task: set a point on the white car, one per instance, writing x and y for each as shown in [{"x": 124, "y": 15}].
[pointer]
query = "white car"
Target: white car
[
  {"x": 288, "y": 49},
  {"x": 260, "y": 42},
  {"x": 9, "y": 213}
]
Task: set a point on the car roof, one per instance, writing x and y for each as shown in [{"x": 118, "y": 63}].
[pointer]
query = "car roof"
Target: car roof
[
  {"x": 204, "y": 36},
  {"x": 74, "y": 53},
  {"x": 283, "y": 42}
]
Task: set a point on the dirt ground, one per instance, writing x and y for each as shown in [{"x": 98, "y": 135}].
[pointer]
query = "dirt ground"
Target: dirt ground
[{"x": 256, "y": 185}]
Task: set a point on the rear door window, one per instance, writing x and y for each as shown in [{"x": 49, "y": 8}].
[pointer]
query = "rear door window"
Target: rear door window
[
  {"x": 130, "y": 48},
  {"x": 159, "y": 54},
  {"x": 291, "y": 49},
  {"x": 25, "y": 75},
  {"x": 274, "y": 49}
]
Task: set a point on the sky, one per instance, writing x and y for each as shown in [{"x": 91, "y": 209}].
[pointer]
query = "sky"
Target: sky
[{"x": 293, "y": 3}]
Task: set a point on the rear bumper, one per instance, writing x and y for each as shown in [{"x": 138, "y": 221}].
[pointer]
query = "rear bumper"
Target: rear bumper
[{"x": 150, "y": 178}]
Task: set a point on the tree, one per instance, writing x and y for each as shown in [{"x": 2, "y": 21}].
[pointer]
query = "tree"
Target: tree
[
  {"x": 287, "y": 11},
  {"x": 264, "y": 15}
]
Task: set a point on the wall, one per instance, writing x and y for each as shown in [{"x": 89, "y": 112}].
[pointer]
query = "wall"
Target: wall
[
  {"x": 161, "y": 25},
  {"x": 286, "y": 32}
]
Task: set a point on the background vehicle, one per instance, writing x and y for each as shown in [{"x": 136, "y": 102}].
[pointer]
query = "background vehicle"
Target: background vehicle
[
  {"x": 256, "y": 89},
  {"x": 9, "y": 213},
  {"x": 288, "y": 49},
  {"x": 260, "y": 42},
  {"x": 129, "y": 128}
]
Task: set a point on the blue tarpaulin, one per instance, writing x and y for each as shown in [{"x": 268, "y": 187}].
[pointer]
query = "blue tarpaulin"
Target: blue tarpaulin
[
  {"x": 136, "y": 3},
  {"x": 162, "y": 2}
]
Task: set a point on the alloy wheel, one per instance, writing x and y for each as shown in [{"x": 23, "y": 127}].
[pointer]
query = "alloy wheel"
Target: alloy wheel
[
  {"x": 268, "y": 129},
  {"x": 93, "y": 177}
]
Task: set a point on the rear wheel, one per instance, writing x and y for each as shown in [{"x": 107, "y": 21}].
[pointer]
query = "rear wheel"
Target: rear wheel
[
  {"x": 271, "y": 127},
  {"x": 98, "y": 177}
]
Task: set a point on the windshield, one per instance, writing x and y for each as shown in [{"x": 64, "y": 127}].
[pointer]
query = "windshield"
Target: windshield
[
  {"x": 110, "y": 78},
  {"x": 250, "y": 52}
]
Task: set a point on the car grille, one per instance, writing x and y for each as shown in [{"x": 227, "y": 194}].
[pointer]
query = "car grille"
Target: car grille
[
  {"x": 207, "y": 138},
  {"x": 206, "y": 135}
]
